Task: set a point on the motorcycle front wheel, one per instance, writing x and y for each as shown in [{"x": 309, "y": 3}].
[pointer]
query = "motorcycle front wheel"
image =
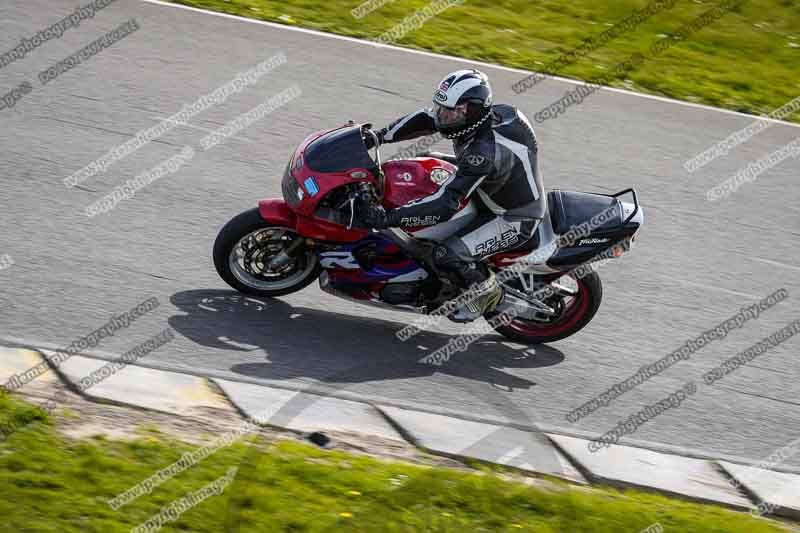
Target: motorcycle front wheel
[{"x": 244, "y": 252}]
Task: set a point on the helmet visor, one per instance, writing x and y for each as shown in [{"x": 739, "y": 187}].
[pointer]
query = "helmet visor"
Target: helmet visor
[{"x": 451, "y": 117}]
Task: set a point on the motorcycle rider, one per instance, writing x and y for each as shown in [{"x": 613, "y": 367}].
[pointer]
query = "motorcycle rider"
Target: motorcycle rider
[{"x": 496, "y": 155}]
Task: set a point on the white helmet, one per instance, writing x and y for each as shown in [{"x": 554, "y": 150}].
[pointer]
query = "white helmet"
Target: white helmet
[{"x": 462, "y": 102}]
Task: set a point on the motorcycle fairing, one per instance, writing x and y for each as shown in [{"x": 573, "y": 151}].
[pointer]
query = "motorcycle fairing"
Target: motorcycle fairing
[
  {"x": 327, "y": 162},
  {"x": 362, "y": 269},
  {"x": 275, "y": 211}
]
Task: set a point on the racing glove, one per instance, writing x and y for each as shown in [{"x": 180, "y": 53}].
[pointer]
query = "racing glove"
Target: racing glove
[
  {"x": 369, "y": 213},
  {"x": 369, "y": 140}
]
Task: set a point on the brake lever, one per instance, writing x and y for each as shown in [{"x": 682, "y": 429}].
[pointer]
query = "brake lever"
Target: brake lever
[
  {"x": 352, "y": 212},
  {"x": 352, "y": 203}
]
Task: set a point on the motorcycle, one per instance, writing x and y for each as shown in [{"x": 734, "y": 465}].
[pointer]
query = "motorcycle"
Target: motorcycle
[{"x": 285, "y": 244}]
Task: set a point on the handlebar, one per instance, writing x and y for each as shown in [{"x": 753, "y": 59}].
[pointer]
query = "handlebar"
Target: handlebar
[
  {"x": 367, "y": 129},
  {"x": 363, "y": 190}
]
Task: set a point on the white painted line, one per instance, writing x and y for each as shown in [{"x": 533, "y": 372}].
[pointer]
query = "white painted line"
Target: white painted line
[
  {"x": 776, "y": 263},
  {"x": 719, "y": 289},
  {"x": 462, "y": 60}
]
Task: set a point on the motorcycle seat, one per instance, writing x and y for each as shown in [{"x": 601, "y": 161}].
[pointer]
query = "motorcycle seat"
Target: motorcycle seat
[{"x": 569, "y": 209}]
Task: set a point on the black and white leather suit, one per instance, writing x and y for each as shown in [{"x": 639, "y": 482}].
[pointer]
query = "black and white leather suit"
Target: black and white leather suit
[{"x": 497, "y": 166}]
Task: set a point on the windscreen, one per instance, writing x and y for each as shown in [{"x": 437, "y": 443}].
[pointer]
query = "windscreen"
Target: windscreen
[{"x": 338, "y": 151}]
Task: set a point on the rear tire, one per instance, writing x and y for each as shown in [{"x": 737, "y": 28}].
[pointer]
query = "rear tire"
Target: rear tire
[
  {"x": 575, "y": 318},
  {"x": 246, "y": 243}
]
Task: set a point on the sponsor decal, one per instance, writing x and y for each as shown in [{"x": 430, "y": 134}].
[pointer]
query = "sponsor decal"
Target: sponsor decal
[
  {"x": 445, "y": 85},
  {"x": 339, "y": 259},
  {"x": 311, "y": 186},
  {"x": 506, "y": 239},
  {"x": 420, "y": 221},
  {"x": 439, "y": 175},
  {"x": 405, "y": 176},
  {"x": 439, "y": 95}
]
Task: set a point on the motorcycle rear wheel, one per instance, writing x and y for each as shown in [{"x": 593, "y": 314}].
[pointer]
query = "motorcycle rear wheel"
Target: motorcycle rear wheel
[
  {"x": 573, "y": 315},
  {"x": 243, "y": 249}
]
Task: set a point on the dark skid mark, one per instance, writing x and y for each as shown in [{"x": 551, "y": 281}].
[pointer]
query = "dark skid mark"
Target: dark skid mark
[
  {"x": 387, "y": 91},
  {"x": 88, "y": 126},
  {"x": 764, "y": 396}
]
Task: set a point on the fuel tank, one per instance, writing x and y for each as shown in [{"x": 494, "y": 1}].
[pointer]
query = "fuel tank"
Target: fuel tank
[{"x": 412, "y": 179}]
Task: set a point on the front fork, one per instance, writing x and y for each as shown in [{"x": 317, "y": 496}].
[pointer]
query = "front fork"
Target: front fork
[{"x": 295, "y": 248}]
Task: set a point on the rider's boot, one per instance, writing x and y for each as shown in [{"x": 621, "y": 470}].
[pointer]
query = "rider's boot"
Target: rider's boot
[
  {"x": 488, "y": 295},
  {"x": 481, "y": 292},
  {"x": 482, "y": 295}
]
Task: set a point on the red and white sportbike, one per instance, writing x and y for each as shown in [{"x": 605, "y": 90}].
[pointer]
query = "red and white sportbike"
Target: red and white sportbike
[{"x": 285, "y": 244}]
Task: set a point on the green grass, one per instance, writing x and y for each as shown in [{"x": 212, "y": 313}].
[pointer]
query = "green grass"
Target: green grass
[
  {"x": 746, "y": 61},
  {"x": 52, "y": 484}
]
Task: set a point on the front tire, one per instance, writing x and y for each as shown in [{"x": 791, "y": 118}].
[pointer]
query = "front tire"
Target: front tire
[
  {"x": 246, "y": 245},
  {"x": 575, "y": 315}
]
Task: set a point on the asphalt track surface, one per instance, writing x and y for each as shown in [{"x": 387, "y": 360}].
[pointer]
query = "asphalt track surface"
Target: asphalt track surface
[{"x": 694, "y": 265}]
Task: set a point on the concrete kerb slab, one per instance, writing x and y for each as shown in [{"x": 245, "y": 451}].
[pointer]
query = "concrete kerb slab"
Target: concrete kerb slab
[
  {"x": 157, "y": 390},
  {"x": 777, "y": 492},
  {"x": 300, "y": 411},
  {"x": 489, "y": 443},
  {"x": 482, "y": 418},
  {"x": 17, "y": 361},
  {"x": 674, "y": 475},
  {"x": 565, "y": 457}
]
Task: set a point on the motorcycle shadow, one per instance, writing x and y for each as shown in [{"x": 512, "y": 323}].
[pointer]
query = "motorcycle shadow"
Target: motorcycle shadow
[{"x": 331, "y": 347}]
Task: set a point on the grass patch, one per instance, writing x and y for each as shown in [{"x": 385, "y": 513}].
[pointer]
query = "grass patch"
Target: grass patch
[
  {"x": 746, "y": 61},
  {"x": 52, "y": 484},
  {"x": 16, "y": 416}
]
